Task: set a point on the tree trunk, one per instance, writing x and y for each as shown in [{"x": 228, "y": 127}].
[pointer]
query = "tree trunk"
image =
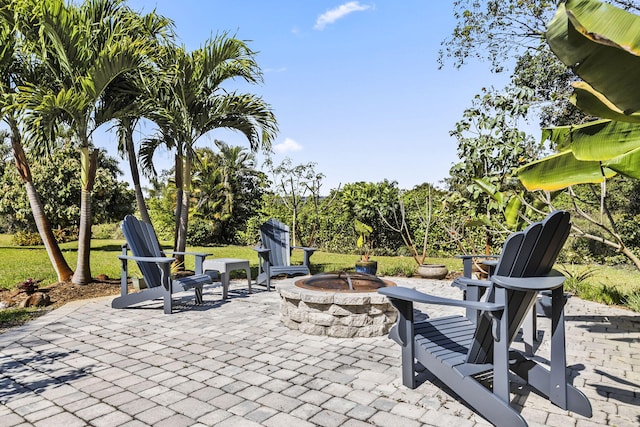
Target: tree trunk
[
  {"x": 82, "y": 275},
  {"x": 181, "y": 239},
  {"x": 135, "y": 175},
  {"x": 619, "y": 246},
  {"x": 179, "y": 195},
  {"x": 58, "y": 262}
]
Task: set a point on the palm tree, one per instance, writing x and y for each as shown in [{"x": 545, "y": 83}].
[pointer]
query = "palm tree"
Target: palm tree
[
  {"x": 224, "y": 188},
  {"x": 13, "y": 70},
  {"x": 189, "y": 102},
  {"x": 88, "y": 49},
  {"x": 160, "y": 34}
]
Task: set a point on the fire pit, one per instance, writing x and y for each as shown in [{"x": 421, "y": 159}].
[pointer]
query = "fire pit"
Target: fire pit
[{"x": 337, "y": 304}]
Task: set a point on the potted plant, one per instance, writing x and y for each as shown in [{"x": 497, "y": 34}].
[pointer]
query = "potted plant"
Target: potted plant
[{"x": 365, "y": 265}]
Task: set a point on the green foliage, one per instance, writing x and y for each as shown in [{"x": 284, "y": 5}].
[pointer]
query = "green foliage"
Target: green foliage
[
  {"x": 227, "y": 192},
  {"x": 56, "y": 180},
  {"x": 16, "y": 316},
  {"x": 490, "y": 143},
  {"x": 602, "y": 39},
  {"x": 364, "y": 233},
  {"x": 576, "y": 276},
  {"x": 107, "y": 231},
  {"x": 366, "y": 202},
  {"x": 161, "y": 205},
  {"x": 602, "y": 293},
  {"x": 632, "y": 301},
  {"x": 27, "y": 238},
  {"x": 495, "y": 30}
]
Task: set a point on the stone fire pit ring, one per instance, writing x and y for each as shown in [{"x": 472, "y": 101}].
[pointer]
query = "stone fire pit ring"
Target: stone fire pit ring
[{"x": 335, "y": 314}]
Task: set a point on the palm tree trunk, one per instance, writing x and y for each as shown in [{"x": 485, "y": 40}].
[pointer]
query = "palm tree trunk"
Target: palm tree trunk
[
  {"x": 82, "y": 275},
  {"x": 59, "y": 263},
  {"x": 179, "y": 195},
  {"x": 135, "y": 175},
  {"x": 181, "y": 238}
]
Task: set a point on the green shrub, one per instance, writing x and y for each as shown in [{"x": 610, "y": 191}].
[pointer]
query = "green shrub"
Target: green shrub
[
  {"x": 632, "y": 301},
  {"x": 576, "y": 276},
  {"x": 200, "y": 233},
  {"x": 27, "y": 238},
  {"x": 32, "y": 238},
  {"x": 110, "y": 231}
]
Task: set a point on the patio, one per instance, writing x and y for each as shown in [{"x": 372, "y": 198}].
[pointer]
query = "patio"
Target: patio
[{"x": 233, "y": 363}]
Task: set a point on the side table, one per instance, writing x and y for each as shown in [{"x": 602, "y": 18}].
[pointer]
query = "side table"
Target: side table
[{"x": 225, "y": 266}]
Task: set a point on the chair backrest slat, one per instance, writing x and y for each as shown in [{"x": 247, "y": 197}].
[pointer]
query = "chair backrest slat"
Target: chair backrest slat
[
  {"x": 528, "y": 253},
  {"x": 274, "y": 235},
  {"x": 142, "y": 241}
]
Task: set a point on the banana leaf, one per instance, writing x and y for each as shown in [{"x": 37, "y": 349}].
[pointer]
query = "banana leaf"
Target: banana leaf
[
  {"x": 597, "y": 140},
  {"x": 560, "y": 171},
  {"x": 626, "y": 165},
  {"x": 602, "y": 45},
  {"x": 595, "y": 104}
]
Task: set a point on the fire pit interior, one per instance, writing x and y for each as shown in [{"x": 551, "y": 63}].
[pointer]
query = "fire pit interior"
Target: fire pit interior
[
  {"x": 338, "y": 304},
  {"x": 343, "y": 281}
]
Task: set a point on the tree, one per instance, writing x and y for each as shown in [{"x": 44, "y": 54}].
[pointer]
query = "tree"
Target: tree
[
  {"x": 14, "y": 71},
  {"x": 159, "y": 34},
  {"x": 369, "y": 203},
  {"x": 189, "y": 101},
  {"x": 490, "y": 143},
  {"x": 227, "y": 189},
  {"x": 55, "y": 176},
  {"x": 293, "y": 184},
  {"x": 497, "y": 31},
  {"x": 87, "y": 49}
]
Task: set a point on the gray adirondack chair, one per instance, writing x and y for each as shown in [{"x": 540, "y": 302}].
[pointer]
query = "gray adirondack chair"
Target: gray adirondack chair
[
  {"x": 475, "y": 359},
  {"x": 274, "y": 253},
  {"x": 155, "y": 268}
]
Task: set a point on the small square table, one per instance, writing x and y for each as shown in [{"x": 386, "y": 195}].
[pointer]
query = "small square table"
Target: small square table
[{"x": 225, "y": 266}]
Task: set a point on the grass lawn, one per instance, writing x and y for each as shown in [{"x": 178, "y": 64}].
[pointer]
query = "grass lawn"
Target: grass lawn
[{"x": 20, "y": 263}]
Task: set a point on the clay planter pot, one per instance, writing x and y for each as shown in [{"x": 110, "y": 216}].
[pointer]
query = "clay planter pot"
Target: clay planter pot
[
  {"x": 368, "y": 267},
  {"x": 433, "y": 271}
]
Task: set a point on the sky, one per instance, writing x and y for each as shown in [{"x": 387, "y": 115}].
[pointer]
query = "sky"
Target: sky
[{"x": 354, "y": 85}]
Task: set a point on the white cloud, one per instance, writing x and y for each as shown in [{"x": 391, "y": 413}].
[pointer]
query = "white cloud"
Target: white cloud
[
  {"x": 331, "y": 16},
  {"x": 287, "y": 146}
]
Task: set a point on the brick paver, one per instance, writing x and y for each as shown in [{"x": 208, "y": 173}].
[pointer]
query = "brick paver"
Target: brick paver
[{"x": 235, "y": 364}]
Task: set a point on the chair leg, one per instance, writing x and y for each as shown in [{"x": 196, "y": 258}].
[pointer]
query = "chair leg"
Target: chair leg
[
  {"x": 530, "y": 331},
  {"x": 168, "y": 303},
  {"x": 199, "y": 299},
  {"x": 403, "y": 331}
]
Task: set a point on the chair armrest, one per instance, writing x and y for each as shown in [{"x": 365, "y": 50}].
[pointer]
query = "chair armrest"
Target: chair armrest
[
  {"x": 467, "y": 262},
  {"x": 553, "y": 280},
  {"x": 462, "y": 283},
  {"x": 156, "y": 260},
  {"x": 261, "y": 250},
  {"x": 408, "y": 294},
  {"x": 198, "y": 254},
  {"x": 307, "y": 254}
]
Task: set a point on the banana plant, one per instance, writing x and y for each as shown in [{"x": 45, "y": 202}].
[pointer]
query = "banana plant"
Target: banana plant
[{"x": 601, "y": 44}]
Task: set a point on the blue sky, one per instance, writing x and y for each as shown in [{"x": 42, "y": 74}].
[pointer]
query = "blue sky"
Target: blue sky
[{"x": 355, "y": 85}]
